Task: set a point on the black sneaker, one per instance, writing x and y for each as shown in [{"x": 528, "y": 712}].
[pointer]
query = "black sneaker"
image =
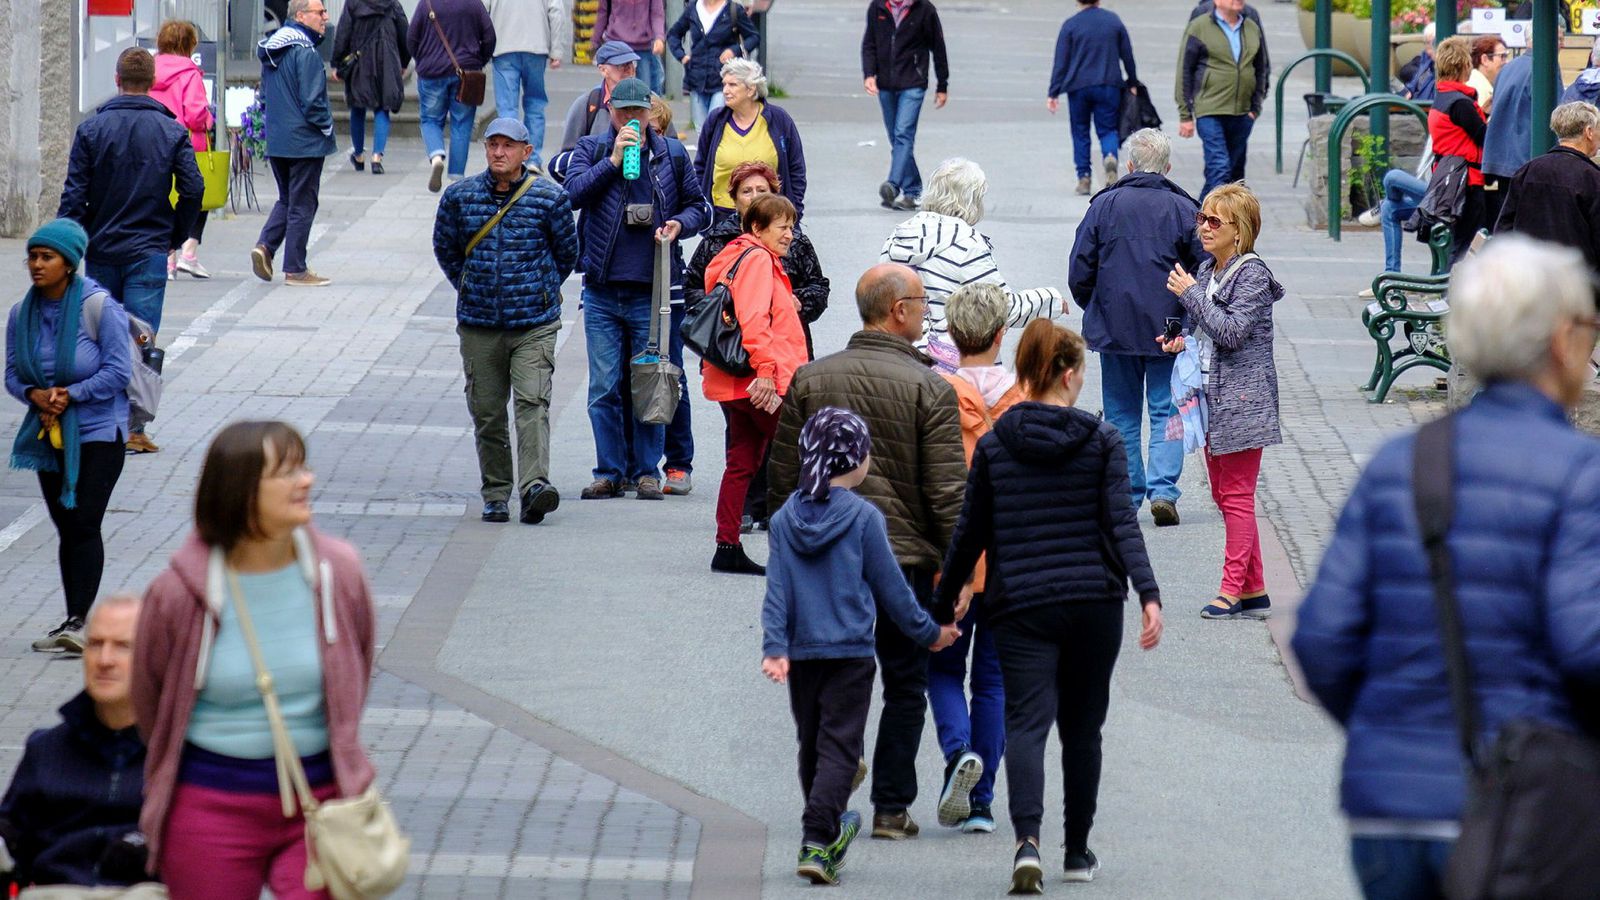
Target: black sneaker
[
  {"x": 540, "y": 500},
  {"x": 1080, "y": 867},
  {"x": 496, "y": 511},
  {"x": 894, "y": 826},
  {"x": 731, "y": 560},
  {"x": 960, "y": 775},
  {"x": 1027, "y": 873},
  {"x": 980, "y": 820},
  {"x": 887, "y": 194}
]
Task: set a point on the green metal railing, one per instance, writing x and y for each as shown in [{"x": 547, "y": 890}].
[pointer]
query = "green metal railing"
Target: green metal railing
[
  {"x": 1324, "y": 53},
  {"x": 1341, "y": 124}
]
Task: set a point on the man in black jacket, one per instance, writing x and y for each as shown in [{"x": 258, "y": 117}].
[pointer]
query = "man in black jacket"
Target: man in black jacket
[
  {"x": 71, "y": 814},
  {"x": 900, "y": 36},
  {"x": 124, "y": 162},
  {"x": 1556, "y": 197}
]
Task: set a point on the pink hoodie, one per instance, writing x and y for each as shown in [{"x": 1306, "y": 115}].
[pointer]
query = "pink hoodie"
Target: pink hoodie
[
  {"x": 173, "y": 649},
  {"x": 180, "y": 88}
]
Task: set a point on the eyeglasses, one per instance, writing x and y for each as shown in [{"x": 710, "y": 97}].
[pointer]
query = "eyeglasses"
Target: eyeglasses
[
  {"x": 1503, "y": 54},
  {"x": 920, "y": 298},
  {"x": 1213, "y": 221},
  {"x": 318, "y": 12}
]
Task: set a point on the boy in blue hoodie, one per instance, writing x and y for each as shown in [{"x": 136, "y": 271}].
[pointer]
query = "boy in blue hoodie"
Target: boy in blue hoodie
[{"x": 829, "y": 570}]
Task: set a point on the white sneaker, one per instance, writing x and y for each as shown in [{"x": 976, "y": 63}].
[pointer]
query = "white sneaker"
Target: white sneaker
[
  {"x": 436, "y": 174},
  {"x": 1371, "y": 218},
  {"x": 1367, "y": 294},
  {"x": 190, "y": 265}
]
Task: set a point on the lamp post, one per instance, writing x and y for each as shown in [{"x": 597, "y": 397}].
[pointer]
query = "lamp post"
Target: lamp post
[
  {"x": 1324, "y": 40},
  {"x": 1546, "y": 50},
  {"x": 1381, "y": 50},
  {"x": 1444, "y": 19}
]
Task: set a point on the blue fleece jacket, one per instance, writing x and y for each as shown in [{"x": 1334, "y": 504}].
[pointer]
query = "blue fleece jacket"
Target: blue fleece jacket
[
  {"x": 103, "y": 366},
  {"x": 830, "y": 570},
  {"x": 1088, "y": 50}
]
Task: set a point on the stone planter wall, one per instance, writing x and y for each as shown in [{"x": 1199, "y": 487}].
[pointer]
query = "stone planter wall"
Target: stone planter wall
[{"x": 1406, "y": 139}]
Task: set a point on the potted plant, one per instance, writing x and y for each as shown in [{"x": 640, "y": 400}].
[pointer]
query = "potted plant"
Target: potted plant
[{"x": 1343, "y": 37}]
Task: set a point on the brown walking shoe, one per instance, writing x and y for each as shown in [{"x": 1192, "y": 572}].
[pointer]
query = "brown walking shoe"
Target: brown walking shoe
[
  {"x": 894, "y": 826},
  {"x": 139, "y": 442},
  {"x": 261, "y": 262},
  {"x": 307, "y": 278}
]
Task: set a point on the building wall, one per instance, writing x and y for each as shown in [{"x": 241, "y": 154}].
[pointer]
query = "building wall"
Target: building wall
[{"x": 36, "y": 110}]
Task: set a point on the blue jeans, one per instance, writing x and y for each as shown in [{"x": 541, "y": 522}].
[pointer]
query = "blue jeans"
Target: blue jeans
[
  {"x": 522, "y": 74},
  {"x": 1101, "y": 104},
  {"x": 1128, "y": 384},
  {"x": 652, "y": 71},
  {"x": 901, "y": 109},
  {"x": 437, "y": 99},
  {"x": 1226, "y": 140},
  {"x": 703, "y": 104},
  {"x": 1400, "y": 868},
  {"x": 981, "y": 729},
  {"x": 680, "y": 435},
  {"x": 141, "y": 287},
  {"x": 616, "y": 326},
  {"x": 358, "y": 130},
  {"x": 1402, "y": 193}
]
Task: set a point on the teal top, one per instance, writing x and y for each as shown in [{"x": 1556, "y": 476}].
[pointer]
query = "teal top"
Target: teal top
[{"x": 229, "y": 716}]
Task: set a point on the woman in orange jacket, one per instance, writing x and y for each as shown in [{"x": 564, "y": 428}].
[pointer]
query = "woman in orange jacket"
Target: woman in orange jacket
[{"x": 769, "y": 324}]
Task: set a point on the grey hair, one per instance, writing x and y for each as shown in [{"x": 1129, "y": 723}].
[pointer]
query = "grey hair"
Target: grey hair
[
  {"x": 956, "y": 189},
  {"x": 121, "y": 598},
  {"x": 296, "y": 7},
  {"x": 749, "y": 74},
  {"x": 975, "y": 313},
  {"x": 1570, "y": 119},
  {"x": 1150, "y": 151},
  {"x": 1429, "y": 32},
  {"x": 1507, "y": 301}
]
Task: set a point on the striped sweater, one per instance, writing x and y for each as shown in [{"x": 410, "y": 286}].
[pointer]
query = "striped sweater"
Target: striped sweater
[{"x": 948, "y": 253}]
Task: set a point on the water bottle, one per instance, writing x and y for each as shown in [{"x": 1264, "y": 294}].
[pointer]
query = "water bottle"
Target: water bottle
[{"x": 630, "y": 155}]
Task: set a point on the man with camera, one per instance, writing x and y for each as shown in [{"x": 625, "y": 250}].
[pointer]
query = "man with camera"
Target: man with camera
[{"x": 631, "y": 188}]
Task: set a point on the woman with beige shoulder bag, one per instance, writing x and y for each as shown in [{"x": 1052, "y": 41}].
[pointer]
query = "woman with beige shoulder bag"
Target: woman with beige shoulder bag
[{"x": 253, "y": 784}]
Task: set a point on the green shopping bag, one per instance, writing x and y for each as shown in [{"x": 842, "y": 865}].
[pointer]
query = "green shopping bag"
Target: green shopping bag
[{"x": 213, "y": 165}]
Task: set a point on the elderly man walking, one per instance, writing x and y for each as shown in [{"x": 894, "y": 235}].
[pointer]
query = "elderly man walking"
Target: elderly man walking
[
  {"x": 506, "y": 241},
  {"x": 1133, "y": 234},
  {"x": 1092, "y": 52},
  {"x": 299, "y": 137},
  {"x": 590, "y": 112},
  {"x": 1223, "y": 76},
  {"x": 1556, "y": 197},
  {"x": 917, "y": 481}
]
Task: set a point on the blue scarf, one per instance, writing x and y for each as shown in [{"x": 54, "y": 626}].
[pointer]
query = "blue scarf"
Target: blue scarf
[{"x": 30, "y": 450}]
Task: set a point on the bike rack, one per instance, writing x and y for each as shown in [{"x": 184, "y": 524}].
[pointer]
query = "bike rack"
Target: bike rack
[
  {"x": 1323, "y": 53},
  {"x": 1341, "y": 124}
]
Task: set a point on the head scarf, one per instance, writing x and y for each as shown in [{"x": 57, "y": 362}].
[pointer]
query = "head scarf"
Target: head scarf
[{"x": 833, "y": 442}]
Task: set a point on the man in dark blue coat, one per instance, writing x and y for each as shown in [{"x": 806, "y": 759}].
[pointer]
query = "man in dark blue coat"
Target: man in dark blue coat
[
  {"x": 507, "y": 275},
  {"x": 620, "y": 221},
  {"x": 1132, "y": 235},
  {"x": 299, "y": 137},
  {"x": 1092, "y": 52},
  {"x": 71, "y": 814}
]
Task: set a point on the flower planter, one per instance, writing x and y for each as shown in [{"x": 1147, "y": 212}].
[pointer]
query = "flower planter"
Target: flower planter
[
  {"x": 1345, "y": 38},
  {"x": 1308, "y": 35}
]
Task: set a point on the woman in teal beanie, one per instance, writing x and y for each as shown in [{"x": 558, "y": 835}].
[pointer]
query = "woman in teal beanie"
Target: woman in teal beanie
[{"x": 68, "y": 360}]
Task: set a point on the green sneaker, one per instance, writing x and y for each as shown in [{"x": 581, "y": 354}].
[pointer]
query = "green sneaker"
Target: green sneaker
[
  {"x": 849, "y": 827},
  {"x": 816, "y": 865}
]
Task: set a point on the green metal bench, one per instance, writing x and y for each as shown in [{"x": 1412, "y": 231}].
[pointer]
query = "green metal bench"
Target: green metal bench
[{"x": 1405, "y": 319}]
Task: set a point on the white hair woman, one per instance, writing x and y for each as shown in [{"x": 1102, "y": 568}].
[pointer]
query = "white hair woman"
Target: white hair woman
[
  {"x": 747, "y": 128},
  {"x": 942, "y": 243},
  {"x": 1527, "y": 581}
]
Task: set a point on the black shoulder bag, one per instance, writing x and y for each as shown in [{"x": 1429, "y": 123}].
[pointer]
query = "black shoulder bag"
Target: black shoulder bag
[
  {"x": 1531, "y": 825},
  {"x": 712, "y": 329}
]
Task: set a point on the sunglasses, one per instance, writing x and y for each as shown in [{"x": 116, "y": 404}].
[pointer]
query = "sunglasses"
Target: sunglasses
[{"x": 1213, "y": 221}]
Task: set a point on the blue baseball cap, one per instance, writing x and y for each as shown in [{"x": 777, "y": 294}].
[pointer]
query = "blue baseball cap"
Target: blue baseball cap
[
  {"x": 615, "y": 53},
  {"x": 508, "y": 127}
]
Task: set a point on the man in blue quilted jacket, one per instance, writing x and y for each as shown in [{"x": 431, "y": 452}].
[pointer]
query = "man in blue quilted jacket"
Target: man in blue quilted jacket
[{"x": 506, "y": 241}]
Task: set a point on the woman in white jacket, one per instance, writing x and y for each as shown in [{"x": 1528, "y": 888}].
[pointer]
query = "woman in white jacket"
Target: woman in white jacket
[{"x": 944, "y": 246}]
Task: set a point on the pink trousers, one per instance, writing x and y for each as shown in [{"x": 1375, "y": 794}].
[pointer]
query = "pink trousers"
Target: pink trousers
[
  {"x": 221, "y": 845},
  {"x": 1233, "y": 487}
]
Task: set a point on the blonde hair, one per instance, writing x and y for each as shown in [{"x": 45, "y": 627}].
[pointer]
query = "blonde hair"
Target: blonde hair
[
  {"x": 1237, "y": 205},
  {"x": 661, "y": 115},
  {"x": 975, "y": 313},
  {"x": 1453, "y": 58}
]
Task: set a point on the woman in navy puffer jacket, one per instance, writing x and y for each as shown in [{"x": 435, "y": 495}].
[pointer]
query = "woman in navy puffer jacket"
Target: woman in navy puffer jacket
[
  {"x": 1523, "y": 540},
  {"x": 1048, "y": 501}
]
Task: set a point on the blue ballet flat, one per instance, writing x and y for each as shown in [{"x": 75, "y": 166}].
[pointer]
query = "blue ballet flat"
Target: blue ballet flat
[
  {"x": 1256, "y": 607},
  {"x": 1226, "y": 611}
]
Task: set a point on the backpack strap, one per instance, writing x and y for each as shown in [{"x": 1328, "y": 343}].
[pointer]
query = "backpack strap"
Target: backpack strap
[
  {"x": 527, "y": 182},
  {"x": 596, "y": 97},
  {"x": 94, "y": 304}
]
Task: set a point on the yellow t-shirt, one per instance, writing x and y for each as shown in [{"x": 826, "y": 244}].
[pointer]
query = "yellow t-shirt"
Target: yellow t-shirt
[{"x": 737, "y": 149}]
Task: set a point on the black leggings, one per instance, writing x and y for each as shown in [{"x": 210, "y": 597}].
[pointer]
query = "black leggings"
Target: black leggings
[
  {"x": 1056, "y": 662},
  {"x": 82, "y": 553}
]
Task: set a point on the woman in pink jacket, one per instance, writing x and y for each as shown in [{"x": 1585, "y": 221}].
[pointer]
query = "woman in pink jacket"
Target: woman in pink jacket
[
  {"x": 180, "y": 87},
  {"x": 212, "y": 816}
]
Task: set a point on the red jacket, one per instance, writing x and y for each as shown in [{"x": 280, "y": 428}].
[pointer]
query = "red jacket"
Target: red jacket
[
  {"x": 1457, "y": 125},
  {"x": 768, "y": 320},
  {"x": 176, "y": 625}
]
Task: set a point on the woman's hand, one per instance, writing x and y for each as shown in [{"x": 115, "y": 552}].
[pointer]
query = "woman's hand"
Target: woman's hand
[
  {"x": 726, "y": 55},
  {"x": 764, "y": 394},
  {"x": 1150, "y": 634},
  {"x": 1175, "y": 345},
  {"x": 1178, "y": 280},
  {"x": 51, "y": 401},
  {"x": 776, "y": 668}
]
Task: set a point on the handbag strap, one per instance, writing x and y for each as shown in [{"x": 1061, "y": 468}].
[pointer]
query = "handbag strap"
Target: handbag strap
[
  {"x": 292, "y": 781},
  {"x": 527, "y": 182},
  {"x": 1432, "y": 479},
  {"x": 444, "y": 40},
  {"x": 662, "y": 308}
]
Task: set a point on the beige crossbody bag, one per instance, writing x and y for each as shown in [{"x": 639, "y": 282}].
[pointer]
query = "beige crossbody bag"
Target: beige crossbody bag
[{"x": 354, "y": 847}]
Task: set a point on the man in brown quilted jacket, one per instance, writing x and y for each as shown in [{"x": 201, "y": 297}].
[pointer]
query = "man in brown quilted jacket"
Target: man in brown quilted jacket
[{"x": 917, "y": 479}]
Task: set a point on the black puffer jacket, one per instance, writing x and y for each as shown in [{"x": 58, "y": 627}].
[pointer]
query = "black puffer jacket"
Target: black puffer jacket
[
  {"x": 376, "y": 29},
  {"x": 1048, "y": 501}
]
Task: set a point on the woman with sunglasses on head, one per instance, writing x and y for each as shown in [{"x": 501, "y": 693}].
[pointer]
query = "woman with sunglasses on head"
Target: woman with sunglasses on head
[
  {"x": 212, "y": 815},
  {"x": 1230, "y": 299}
]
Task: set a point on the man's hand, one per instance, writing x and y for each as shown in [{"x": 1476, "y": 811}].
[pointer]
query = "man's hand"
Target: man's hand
[
  {"x": 685, "y": 59},
  {"x": 872, "y": 85},
  {"x": 1253, "y": 117},
  {"x": 764, "y": 394},
  {"x": 658, "y": 47},
  {"x": 1186, "y": 129},
  {"x": 627, "y": 137},
  {"x": 947, "y": 636},
  {"x": 776, "y": 668},
  {"x": 940, "y": 99},
  {"x": 1150, "y": 634},
  {"x": 669, "y": 232},
  {"x": 555, "y": 62},
  {"x": 726, "y": 55},
  {"x": 963, "y": 602},
  {"x": 1053, "y": 105}
]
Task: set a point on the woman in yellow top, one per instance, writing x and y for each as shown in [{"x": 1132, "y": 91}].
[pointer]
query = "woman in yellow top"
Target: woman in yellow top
[{"x": 748, "y": 129}]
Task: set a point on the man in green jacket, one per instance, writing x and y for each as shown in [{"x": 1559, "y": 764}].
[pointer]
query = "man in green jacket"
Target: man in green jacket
[{"x": 1223, "y": 75}]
